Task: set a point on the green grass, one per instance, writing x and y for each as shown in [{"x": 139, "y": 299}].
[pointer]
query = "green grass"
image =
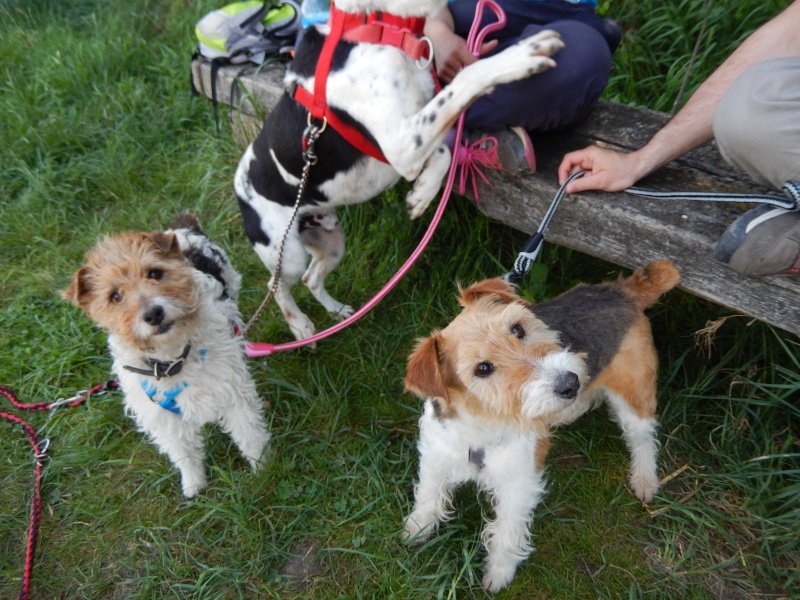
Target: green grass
[{"x": 100, "y": 134}]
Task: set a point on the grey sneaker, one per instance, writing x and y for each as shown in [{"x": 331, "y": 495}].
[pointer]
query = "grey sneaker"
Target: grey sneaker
[
  {"x": 762, "y": 241},
  {"x": 514, "y": 148}
]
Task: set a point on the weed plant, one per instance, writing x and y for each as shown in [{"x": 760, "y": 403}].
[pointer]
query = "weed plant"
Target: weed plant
[{"x": 101, "y": 134}]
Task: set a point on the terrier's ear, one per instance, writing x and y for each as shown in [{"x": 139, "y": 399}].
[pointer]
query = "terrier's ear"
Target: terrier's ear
[
  {"x": 498, "y": 287},
  {"x": 424, "y": 374},
  {"x": 167, "y": 243},
  {"x": 79, "y": 290}
]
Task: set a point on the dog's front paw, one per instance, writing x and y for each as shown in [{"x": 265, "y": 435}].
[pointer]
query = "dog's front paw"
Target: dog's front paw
[
  {"x": 529, "y": 56},
  {"x": 417, "y": 530},
  {"x": 193, "y": 485},
  {"x": 417, "y": 203},
  {"x": 644, "y": 485},
  {"x": 498, "y": 577},
  {"x": 544, "y": 43},
  {"x": 429, "y": 182}
]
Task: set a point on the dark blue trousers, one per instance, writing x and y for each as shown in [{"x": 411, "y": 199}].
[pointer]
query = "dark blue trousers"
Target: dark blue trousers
[{"x": 560, "y": 98}]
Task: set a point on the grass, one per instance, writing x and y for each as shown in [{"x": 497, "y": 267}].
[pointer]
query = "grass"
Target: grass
[{"x": 100, "y": 134}]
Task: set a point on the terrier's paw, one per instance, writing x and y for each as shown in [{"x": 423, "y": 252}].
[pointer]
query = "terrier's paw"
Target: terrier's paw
[
  {"x": 644, "y": 485},
  {"x": 417, "y": 530},
  {"x": 498, "y": 577},
  {"x": 193, "y": 485}
]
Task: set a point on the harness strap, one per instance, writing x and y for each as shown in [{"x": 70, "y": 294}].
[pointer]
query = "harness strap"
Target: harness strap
[{"x": 376, "y": 28}]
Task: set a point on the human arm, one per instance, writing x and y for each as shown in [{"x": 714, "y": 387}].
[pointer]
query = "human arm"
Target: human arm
[
  {"x": 450, "y": 51},
  {"x": 613, "y": 171}
]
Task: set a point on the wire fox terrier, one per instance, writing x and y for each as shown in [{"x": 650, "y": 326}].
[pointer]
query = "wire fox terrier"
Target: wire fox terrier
[
  {"x": 503, "y": 373},
  {"x": 168, "y": 301}
]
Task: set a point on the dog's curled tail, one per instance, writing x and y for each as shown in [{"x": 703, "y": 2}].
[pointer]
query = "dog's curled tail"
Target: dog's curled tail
[{"x": 649, "y": 282}]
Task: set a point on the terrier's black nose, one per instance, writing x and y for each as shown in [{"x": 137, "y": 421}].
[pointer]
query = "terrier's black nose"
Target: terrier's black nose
[
  {"x": 154, "y": 315},
  {"x": 566, "y": 385}
]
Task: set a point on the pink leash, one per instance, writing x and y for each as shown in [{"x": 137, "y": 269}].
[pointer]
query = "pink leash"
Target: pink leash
[{"x": 474, "y": 41}]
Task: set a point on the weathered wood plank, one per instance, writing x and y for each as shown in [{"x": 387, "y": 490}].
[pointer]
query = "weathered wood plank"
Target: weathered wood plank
[{"x": 621, "y": 228}]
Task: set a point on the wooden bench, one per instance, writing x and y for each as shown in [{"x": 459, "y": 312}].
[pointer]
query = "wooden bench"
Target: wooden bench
[{"x": 618, "y": 227}]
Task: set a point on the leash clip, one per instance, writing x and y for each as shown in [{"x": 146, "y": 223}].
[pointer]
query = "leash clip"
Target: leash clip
[
  {"x": 54, "y": 406},
  {"x": 310, "y": 136},
  {"x": 41, "y": 449}
]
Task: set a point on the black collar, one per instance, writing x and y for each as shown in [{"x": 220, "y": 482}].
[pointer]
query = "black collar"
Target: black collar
[{"x": 158, "y": 369}]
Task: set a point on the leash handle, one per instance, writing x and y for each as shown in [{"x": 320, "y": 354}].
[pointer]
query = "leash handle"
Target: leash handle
[{"x": 790, "y": 200}]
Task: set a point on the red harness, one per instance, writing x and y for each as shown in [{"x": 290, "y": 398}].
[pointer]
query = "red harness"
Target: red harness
[{"x": 372, "y": 28}]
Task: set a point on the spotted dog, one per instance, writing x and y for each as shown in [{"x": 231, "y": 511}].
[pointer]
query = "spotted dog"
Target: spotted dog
[
  {"x": 389, "y": 99},
  {"x": 503, "y": 373}
]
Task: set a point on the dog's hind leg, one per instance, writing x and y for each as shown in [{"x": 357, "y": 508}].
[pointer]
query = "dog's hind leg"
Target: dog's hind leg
[
  {"x": 323, "y": 239},
  {"x": 293, "y": 261}
]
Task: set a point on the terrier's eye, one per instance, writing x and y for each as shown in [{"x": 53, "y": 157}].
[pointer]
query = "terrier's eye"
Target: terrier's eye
[
  {"x": 156, "y": 274},
  {"x": 519, "y": 331},
  {"x": 115, "y": 297},
  {"x": 484, "y": 369}
]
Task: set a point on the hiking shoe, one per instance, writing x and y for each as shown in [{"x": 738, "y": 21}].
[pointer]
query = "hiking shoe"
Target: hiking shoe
[
  {"x": 513, "y": 145},
  {"x": 762, "y": 241}
]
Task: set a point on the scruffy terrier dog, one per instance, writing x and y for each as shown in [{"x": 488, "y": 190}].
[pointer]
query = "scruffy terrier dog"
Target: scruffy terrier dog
[
  {"x": 503, "y": 372},
  {"x": 168, "y": 302}
]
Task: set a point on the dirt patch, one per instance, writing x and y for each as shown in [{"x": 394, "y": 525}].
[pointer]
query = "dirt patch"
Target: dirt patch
[{"x": 304, "y": 563}]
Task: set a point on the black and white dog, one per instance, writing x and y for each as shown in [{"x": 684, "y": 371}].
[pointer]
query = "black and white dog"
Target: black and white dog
[{"x": 390, "y": 99}]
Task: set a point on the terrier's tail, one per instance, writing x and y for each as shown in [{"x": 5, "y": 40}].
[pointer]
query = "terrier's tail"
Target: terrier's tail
[{"x": 648, "y": 283}]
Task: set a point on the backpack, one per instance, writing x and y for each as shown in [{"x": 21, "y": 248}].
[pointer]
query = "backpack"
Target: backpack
[{"x": 251, "y": 30}]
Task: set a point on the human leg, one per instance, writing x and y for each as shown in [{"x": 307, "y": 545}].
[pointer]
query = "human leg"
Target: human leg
[
  {"x": 757, "y": 129},
  {"x": 556, "y": 100}
]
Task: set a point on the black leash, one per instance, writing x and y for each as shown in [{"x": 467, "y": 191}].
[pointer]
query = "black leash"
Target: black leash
[
  {"x": 531, "y": 248},
  {"x": 791, "y": 200},
  {"x": 524, "y": 261}
]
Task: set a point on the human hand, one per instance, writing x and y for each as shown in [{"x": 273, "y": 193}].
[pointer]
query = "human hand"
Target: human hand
[
  {"x": 606, "y": 170},
  {"x": 451, "y": 53}
]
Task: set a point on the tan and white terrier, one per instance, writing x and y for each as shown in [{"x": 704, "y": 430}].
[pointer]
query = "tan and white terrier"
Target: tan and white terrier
[
  {"x": 168, "y": 301},
  {"x": 504, "y": 372}
]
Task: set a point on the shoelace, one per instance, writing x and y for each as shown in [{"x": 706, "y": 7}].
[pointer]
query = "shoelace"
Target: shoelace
[{"x": 471, "y": 157}]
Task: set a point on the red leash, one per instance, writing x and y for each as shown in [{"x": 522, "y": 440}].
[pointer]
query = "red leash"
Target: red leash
[
  {"x": 40, "y": 453},
  {"x": 476, "y": 36}
]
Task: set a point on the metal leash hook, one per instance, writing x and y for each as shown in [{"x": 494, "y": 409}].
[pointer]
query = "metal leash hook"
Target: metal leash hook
[{"x": 530, "y": 250}]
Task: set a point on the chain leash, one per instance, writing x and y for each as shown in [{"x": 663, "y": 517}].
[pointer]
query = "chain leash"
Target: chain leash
[{"x": 310, "y": 137}]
